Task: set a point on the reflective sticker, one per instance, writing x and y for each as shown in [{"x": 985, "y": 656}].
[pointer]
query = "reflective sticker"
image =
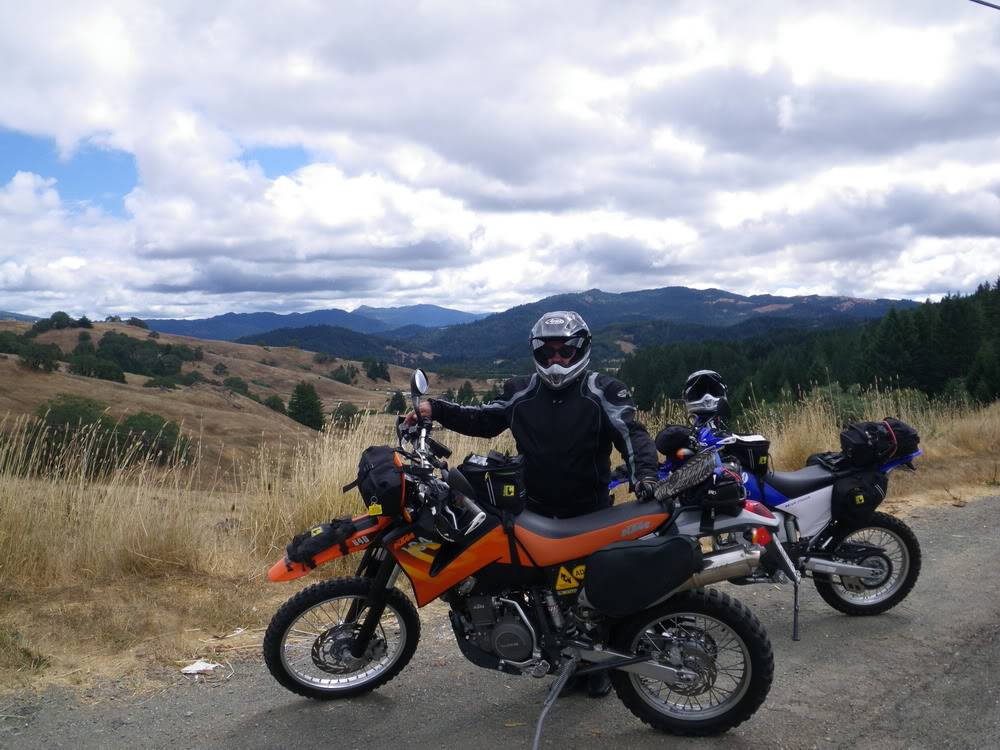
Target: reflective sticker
[
  {"x": 565, "y": 580},
  {"x": 375, "y": 509},
  {"x": 859, "y": 499},
  {"x": 555, "y": 321},
  {"x": 422, "y": 550},
  {"x": 508, "y": 490},
  {"x": 623, "y": 393},
  {"x": 580, "y": 572},
  {"x": 316, "y": 530}
]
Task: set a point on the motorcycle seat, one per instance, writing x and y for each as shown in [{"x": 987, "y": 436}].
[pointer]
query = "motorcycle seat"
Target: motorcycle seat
[
  {"x": 561, "y": 528},
  {"x": 550, "y": 541},
  {"x": 798, "y": 483}
]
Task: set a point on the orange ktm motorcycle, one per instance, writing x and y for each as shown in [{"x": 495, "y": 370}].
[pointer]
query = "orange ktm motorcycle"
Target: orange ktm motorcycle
[{"x": 619, "y": 589}]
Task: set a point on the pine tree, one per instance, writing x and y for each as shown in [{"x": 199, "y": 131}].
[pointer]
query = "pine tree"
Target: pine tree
[
  {"x": 466, "y": 394},
  {"x": 397, "y": 404},
  {"x": 305, "y": 407}
]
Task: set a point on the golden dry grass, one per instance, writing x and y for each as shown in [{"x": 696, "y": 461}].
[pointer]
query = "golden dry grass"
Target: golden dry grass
[{"x": 148, "y": 567}]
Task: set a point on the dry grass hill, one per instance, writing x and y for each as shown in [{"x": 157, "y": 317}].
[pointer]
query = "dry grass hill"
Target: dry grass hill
[{"x": 230, "y": 425}]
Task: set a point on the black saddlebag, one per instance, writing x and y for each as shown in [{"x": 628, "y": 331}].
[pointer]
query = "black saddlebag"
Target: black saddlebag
[
  {"x": 907, "y": 438},
  {"x": 382, "y": 481},
  {"x": 305, "y": 546},
  {"x": 867, "y": 444},
  {"x": 856, "y": 497},
  {"x": 498, "y": 479},
  {"x": 627, "y": 577}
]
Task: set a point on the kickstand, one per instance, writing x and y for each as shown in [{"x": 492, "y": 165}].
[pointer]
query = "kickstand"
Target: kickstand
[
  {"x": 795, "y": 610},
  {"x": 557, "y": 685}
]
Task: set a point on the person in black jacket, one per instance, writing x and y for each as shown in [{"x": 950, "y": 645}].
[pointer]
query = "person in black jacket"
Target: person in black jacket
[{"x": 564, "y": 419}]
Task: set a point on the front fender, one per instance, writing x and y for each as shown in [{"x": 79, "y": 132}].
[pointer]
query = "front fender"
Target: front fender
[{"x": 366, "y": 529}]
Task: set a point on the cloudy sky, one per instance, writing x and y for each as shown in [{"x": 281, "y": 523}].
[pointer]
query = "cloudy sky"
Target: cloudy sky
[{"x": 197, "y": 158}]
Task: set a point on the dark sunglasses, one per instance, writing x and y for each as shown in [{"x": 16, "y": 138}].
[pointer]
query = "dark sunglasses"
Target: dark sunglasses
[{"x": 565, "y": 350}]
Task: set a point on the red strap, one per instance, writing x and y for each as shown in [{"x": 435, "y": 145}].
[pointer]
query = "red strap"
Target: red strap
[{"x": 895, "y": 443}]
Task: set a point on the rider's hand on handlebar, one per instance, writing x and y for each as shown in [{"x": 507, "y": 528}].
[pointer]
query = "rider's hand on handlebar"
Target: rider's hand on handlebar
[
  {"x": 425, "y": 413},
  {"x": 645, "y": 489}
]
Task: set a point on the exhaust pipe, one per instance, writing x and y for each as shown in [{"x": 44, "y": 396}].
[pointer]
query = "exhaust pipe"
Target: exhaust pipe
[{"x": 721, "y": 566}]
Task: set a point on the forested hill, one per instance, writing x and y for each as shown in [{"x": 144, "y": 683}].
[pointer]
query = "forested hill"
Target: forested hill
[{"x": 948, "y": 347}]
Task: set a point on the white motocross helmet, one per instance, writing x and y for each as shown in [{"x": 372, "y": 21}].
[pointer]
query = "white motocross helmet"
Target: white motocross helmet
[
  {"x": 565, "y": 333},
  {"x": 705, "y": 394}
]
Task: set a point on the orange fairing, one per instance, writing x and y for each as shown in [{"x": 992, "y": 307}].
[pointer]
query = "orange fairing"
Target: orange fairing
[
  {"x": 415, "y": 557},
  {"x": 546, "y": 551},
  {"x": 283, "y": 570}
]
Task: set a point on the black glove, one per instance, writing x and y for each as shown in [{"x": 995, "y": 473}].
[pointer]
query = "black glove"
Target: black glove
[{"x": 645, "y": 489}]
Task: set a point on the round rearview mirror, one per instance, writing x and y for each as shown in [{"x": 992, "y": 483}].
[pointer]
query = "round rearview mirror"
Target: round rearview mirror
[{"x": 418, "y": 383}]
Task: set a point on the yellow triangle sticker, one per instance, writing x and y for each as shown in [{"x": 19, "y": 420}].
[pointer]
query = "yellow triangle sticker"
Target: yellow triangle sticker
[{"x": 565, "y": 580}]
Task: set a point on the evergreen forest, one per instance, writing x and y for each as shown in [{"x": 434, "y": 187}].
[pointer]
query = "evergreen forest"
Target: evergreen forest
[{"x": 946, "y": 349}]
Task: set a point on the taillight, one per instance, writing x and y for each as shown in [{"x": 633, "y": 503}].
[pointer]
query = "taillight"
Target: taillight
[
  {"x": 757, "y": 507},
  {"x": 761, "y": 536}
]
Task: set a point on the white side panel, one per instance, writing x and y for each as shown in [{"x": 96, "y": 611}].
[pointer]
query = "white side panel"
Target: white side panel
[{"x": 812, "y": 510}]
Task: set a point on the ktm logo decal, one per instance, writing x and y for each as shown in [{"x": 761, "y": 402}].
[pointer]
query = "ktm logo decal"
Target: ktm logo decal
[{"x": 422, "y": 550}]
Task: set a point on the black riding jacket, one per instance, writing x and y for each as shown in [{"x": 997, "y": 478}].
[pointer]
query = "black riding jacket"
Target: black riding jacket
[{"x": 565, "y": 436}]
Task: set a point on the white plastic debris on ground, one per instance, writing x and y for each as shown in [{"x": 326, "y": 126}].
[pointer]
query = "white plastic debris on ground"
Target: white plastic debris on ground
[{"x": 200, "y": 667}]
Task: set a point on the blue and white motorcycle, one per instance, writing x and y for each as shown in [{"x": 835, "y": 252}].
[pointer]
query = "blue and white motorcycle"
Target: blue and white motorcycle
[{"x": 862, "y": 567}]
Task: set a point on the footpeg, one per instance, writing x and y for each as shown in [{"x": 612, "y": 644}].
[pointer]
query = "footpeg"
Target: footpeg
[{"x": 540, "y": 669}]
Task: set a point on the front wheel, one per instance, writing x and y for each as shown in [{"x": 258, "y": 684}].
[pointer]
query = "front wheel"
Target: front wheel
[
  {"x": 721, "y": 646},
  {"x": 884, "y": 543},
  {"x": 307, "y": 644}
]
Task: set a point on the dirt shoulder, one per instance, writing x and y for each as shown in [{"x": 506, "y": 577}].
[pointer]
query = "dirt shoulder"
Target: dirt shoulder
[{"x": 922, "y": 675}]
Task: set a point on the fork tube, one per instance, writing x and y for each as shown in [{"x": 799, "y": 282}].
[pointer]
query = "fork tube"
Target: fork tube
[{"x": 379, "y": 592}]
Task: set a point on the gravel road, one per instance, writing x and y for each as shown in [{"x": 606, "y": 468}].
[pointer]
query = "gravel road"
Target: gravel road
[{"x": 924, "y": 675}]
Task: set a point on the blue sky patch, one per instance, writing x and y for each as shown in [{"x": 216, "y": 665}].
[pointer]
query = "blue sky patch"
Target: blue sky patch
[
  {"x": 277, "y": 160},
  {"x": 93, "y": 174}
]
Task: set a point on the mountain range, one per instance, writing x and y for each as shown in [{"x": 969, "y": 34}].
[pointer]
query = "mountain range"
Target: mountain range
[
  {"x": 620, "y": 322},
  {"x": 231, "y": 326},
  {"x": 4, "y": 315}
]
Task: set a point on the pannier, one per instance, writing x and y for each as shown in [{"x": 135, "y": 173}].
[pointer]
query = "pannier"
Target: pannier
[
  {"x": 382, "y": 481},
  {"x": 498, "y": 479},
  {"x": 867, "y": 444},
  {"x": 856, "y": 497},
  {"x": 752, "y": 452},
  {"x": 305, "y": 546},
  {"x": 672, "y": 438},
  {"x": 626, "y": 577}
]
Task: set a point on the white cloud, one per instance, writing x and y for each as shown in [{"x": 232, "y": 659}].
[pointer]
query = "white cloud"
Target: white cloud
[{"x": 480, "y": 156}]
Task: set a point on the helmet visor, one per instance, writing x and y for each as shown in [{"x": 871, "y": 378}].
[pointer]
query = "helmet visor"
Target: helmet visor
[
  {"x": 566, "y": 351},
  {"x": 704, "y": 385}
]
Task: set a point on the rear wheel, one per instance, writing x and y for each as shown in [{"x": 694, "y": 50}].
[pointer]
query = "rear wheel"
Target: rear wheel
[
  {"x": 722, "y": 648},
  {"x": 307, "y": 644},
  {"x": 894, "y": 553}
]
